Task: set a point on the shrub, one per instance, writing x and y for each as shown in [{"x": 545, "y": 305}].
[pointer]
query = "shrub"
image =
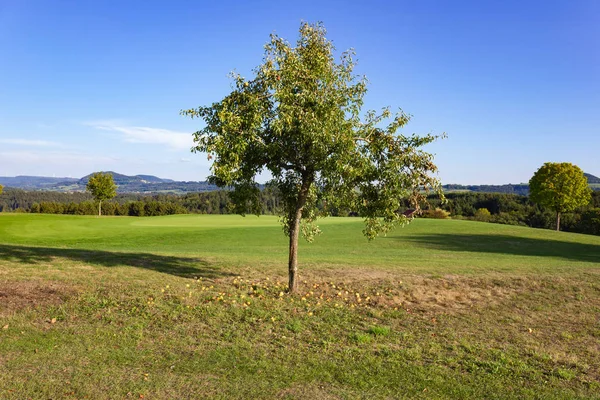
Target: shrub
[
  {"x": 482, "y": 214},
  {"x": 436, "y": 213}
]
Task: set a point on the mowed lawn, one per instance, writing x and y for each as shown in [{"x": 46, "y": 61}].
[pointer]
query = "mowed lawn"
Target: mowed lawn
[{"x": 193, "y": 306}]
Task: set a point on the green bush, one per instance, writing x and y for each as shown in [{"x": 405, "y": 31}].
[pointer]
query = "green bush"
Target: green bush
[
  {"x": 436, "y": 213},
  {"x": 482, "y": 214}
]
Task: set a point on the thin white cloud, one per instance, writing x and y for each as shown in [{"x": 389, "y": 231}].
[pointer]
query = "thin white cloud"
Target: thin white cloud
[
  {"x": 54, "y": 157},
  {"x": 142, "y": 134},
  {"x": 28, "y": 142},
  {"x": 53, "y": 163}
]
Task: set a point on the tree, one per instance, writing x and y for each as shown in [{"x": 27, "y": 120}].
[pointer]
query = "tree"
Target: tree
[
  {"x": 102, "y": 187},
  {"x": 482, "y": 214},
  {"x": 300, "y": 119},
  {"x": 1, "y": 187},
  {"x": 562, "y": 187}
]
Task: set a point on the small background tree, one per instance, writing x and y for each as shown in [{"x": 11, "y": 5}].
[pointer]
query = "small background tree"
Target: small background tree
[
  {"x": 483, "y": 215},
  {"x": 1, "y": 187},
  {"x": 300, "y": 119},
  {"x": 561, "y": 187},
  {"x": 102, "y": 187}
]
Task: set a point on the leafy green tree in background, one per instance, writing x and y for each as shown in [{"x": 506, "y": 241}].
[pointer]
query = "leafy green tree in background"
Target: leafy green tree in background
[
  {"x": 299, "y": 119},
  {"x": 562, "y": 187},
  {"x": 1, "y": 187},
  {"x": 483, "y": 215},
  {"x": 102, "y": 187}
]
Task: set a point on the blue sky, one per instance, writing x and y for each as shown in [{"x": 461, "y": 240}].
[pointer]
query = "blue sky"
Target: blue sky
[{"x": 98, "y": 85}]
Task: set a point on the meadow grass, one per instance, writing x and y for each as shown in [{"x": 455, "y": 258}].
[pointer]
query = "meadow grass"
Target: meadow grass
[{"x": 193, "y": 306}]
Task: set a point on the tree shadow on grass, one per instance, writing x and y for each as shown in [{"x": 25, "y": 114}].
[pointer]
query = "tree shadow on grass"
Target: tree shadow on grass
[
  {"x": 510, "y": 245},
  {"x": 186, "y": 267}
]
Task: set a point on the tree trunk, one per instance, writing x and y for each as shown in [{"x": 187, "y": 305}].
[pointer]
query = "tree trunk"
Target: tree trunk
[
  {"x": 293, "y": 258},
  {"x": 558, "y": 221},
  {"x": 294, "y": 231},
  {"x": 100, "y": 208}
]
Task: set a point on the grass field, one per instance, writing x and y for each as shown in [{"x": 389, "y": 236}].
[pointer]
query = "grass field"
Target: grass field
[{"x": 194, "y": 307}]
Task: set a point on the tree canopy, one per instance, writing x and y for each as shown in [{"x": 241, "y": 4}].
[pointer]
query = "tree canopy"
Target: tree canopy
[
  {"x": 102, "y": 187},
  {"x": 562, "y": 187},
  {"x": 300, "y": 119}
]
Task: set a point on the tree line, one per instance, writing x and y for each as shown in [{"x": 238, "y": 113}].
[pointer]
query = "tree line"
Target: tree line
[
  {"x": 127, "y": 204},
  {"x": 513, "y": 209}
]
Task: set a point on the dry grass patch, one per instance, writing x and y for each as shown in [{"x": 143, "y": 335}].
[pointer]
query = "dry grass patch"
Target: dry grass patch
[
  {"x": 18, "y": 296},
  {"x": 384, "y": 289},
  {"x": 311, "y": 391}
]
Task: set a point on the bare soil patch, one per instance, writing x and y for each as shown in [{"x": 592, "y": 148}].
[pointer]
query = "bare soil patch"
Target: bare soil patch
[
  {"x": 455, "y": 292},
  {"x": 20, "y": 295}
]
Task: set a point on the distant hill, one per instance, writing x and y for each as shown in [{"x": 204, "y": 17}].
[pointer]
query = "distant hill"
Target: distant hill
[
  {"x": 520, "y": 189},
  {"x": 125, "y": 184},
  {"x": 120, "y": 179},
  {"x": 32, "y": 182},
  {"x": 154, "y": 179},
  {"x": 592, "y": 179}
]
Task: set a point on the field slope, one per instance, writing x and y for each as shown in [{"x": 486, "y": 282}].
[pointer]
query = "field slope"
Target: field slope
[{"x": 195, "y": 306}]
